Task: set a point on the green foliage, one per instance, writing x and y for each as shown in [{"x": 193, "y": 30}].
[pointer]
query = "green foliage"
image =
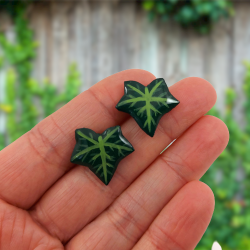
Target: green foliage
[
  {"x": 1, "y": 62},
  {"x": 230, "y": 225},
  {"x": 20, "y": 55},
  {"x": 2, "y": 141},
  {"x": 95, "y": 150},
  {"x": 48, "y": 94},
  {"x": 23, "y": 94},
  {"x": 197, "y": 14},
  {"x": 13, "y": 6},
  {"x": 147, "y": 104},
  {"x": 11, "y": 104}
]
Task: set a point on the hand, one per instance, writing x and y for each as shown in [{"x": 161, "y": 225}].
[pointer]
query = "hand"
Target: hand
[{"x": 153, "y": 201}]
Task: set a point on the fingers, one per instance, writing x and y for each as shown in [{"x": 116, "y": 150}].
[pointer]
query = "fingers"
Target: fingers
[
  {"x": 34, "y": 162},
  {"x": 132, "y": 213},
  {"x": 86, "y": 197},
  {"x": 181, "y": 224},
  {"x": 19, "y": 231}
]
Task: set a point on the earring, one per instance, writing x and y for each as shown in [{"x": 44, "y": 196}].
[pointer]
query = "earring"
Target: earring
[
  {"x": 147, "y": 104},
  {"x": 101, "y": 152}
]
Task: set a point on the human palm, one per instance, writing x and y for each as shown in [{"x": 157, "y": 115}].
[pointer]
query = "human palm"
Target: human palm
[{"x": 153, "y": 201}]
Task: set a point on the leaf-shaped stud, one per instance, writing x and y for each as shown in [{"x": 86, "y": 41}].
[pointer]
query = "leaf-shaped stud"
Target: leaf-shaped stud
[
  {"x": 101, "y": 152},
  {"x": 147, "y": 104}
]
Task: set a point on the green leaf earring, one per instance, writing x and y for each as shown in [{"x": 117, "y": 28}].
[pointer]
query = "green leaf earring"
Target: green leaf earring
[
  {"x": 147, "y": 104},
  {"x": 101, "y": 152}
]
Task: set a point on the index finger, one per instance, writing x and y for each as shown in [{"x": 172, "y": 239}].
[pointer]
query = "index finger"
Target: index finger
[{"x": 31, "y": 164}]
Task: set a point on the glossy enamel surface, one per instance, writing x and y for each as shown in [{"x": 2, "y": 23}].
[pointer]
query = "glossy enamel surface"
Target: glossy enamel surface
[
  {"x": 101, "y": 152},
  {"x": 147, "y": 104}
]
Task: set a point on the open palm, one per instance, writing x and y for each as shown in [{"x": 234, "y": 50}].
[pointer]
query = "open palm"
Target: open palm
[{"x": 153, "y": 201}]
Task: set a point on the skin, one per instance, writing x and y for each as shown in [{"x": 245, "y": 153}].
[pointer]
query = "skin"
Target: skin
[{"x": 153, "y": 201}]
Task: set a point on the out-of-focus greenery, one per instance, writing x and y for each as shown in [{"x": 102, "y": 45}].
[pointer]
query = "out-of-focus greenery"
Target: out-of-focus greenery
[
  {"x": 19, "y": 55},
  {"x": 230, "y": 225},
  {"x": 197, "y": 14},
  {"x": 22, "y": 92},
  {"x": 12, "y": 6}
]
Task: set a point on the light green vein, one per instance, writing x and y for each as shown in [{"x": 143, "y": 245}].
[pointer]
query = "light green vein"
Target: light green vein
[
  {"x": 136, "y": 90},
  {"x": 137, "y": 99},
  {"x": 107, "y": 144},
  {"x": 103, "y": 157},
  {"x": 158, "y": 99},
  {"x": 86, "y": 137},
  {"x": 85, "y": 151},
  {"x": 155, "y": 87},
  {"x": 110, "y": 134}
]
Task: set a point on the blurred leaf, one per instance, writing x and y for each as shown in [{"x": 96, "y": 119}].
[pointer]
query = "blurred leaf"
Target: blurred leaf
[
  {"x": 22, "y": 113},
  {"x": 148, "y": 5},
  {"x": 173, "y": 1},
  {"x": 151, "y": 16},
  {"x": 204, "y": 8},
  {"x": 6, "y": 108},
  {"x": 160, "y": 7},
  {"x": 197, "y": 14}
]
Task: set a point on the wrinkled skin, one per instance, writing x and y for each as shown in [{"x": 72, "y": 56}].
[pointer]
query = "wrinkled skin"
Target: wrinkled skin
[{"x": 153, "y": 201}]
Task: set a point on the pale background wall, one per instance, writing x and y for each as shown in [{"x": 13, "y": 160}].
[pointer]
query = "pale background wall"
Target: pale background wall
[{"x": 104, "y": 37}]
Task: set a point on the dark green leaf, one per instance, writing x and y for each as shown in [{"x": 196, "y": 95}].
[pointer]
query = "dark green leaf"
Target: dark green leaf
[
  {"x": 101, "y": 152},
  {"x": 147, "y": 104}
]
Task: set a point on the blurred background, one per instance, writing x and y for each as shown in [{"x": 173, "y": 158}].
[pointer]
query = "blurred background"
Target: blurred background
[{"x": 50, "y": 51}]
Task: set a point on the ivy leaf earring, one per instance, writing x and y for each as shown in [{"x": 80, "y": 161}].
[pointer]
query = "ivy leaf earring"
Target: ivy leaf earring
[
  {"x": 147, "y": 104},
  {"x": 101, "y": 152}
]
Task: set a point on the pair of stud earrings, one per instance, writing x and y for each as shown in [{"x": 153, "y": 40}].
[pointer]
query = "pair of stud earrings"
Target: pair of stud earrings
[{"x": 103, "y": 152}]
